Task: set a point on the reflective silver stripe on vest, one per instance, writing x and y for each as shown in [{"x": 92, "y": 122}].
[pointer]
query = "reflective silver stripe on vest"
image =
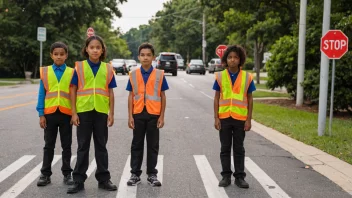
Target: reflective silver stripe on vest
[
  {"x": 236, "y": 102},
  {"x": 154, "y": 98},
  {"x": 64, "y": 94},
  {"x": 219, "y": 75},
  {"x": 245, "y": 86},
  {"x": 225, "y": 102},
  {"x": 110, "y": 73},
  {"x": 50, "y": 94},
  {"x": 137, "y": 97},
  {"x": 45, "y": 77},
  {"x": 85, "y": 92},
  {"x": 134, "y": 82},
  {"x": 80, "y": 73},
  {"x": 101, "y": 92},
  {"x": 159, "y": 74}
]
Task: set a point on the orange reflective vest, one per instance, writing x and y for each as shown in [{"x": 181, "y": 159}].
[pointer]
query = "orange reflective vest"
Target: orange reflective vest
[
  {"x": 233, "y": 97},
  {"x": 57, "y": 93},
  {"x": 93, "y": 91},
  {"x": 147, "y": 95}
]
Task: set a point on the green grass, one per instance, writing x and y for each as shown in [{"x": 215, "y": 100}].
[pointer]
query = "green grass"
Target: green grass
[
  {"x": 6, "y": 84},
  {"x": 263, "y": 94},
  {"x": 302, "y": 126},
  {"x": 261, "y": 86}
]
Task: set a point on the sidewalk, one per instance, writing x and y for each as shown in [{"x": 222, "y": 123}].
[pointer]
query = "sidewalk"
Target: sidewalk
[{"x": 331, "y": 167}]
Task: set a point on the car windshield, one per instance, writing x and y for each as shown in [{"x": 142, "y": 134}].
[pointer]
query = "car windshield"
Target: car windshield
[
  {"x": 197, "y": 62},
  {"x": 118, "y": 60},
  {"x": 218, "y": 61},
  {"x": 167, "y": 57},
  {"x": 131, "y": 61}
]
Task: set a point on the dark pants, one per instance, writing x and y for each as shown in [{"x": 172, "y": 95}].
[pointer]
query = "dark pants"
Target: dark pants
[
  {"x": 145, "y": 125},
  {"x": 92, "y": 122},
  {"x": 54, "y": 122},
  {"x": 232, "y": 131}
]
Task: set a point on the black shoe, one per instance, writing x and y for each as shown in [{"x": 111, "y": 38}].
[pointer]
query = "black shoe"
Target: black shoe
[
  {"x": 68, "y": 180},
  {"x": 43, "y": 180},
  {"x": 153, "y": 180},
  {"x": 75, "y": 188},
  {"x": 240, "y": 182},
  {"x": 225, "y": 181},
  {"x": 107, "y": 185},
  {"x": 134, "y": 180}
]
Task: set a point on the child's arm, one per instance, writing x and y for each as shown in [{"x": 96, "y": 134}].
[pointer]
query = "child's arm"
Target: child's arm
[
  {"x": 111, "y": 105},
  {"x": 130, "y": 111},
  {"x": 41, "y": 105},
  {"x": 248, "y": 124},
  {"x": 217, "y": 124},
  {"x": 73, "y": 97},
  {"x": 162, "y": 112}
]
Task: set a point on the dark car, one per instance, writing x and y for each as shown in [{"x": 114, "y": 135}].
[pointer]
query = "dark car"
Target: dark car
[
  {"x": 195, "y": 66},
  {"x": 119, "y": 66},
  {"x": 167, "y": 62},
  {"x": 215, "y": 65}
]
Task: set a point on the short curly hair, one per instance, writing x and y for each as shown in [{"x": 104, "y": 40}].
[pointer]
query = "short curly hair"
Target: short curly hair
[
  {"x": 88, "y": 40},
  {"x": 241, "y": 52}
]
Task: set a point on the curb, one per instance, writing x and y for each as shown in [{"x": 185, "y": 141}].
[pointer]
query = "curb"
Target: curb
[{"x": 336, "y": 170}]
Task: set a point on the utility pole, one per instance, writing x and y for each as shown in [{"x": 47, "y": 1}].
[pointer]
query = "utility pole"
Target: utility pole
[
  {"x": 204, "y": 42},
  {"x": 324, "y": 73},
  {"x": 301, "y": 53}
]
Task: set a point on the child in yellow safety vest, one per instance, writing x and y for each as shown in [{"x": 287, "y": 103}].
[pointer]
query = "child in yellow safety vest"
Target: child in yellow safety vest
[
  {"x": 233, "y": 105},
  {"x": 146, "y": 111},
  {"x": 92, "y": 99},
  {"x": 54, "y": 108}
]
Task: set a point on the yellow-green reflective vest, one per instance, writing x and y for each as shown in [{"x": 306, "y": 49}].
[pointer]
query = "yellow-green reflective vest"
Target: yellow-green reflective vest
[
  {"x": 233, "y": 98},
  {"x": 57, "y": 93},
  {"x": 93, "y": 92}
]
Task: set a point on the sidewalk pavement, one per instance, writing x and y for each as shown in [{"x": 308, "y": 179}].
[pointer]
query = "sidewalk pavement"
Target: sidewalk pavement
[{"x": 331, "y": 167}]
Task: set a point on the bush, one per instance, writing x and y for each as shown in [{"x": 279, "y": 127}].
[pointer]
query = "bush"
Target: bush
[{"x": 249, "y": 64}]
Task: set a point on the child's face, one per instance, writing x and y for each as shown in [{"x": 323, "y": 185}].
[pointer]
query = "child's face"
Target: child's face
[
  {"x": 59, "y": 56},
  {"x": 233, "y": 60},
  {"x": 94, "y": 50},
  {"x": 146, "y": 57}
]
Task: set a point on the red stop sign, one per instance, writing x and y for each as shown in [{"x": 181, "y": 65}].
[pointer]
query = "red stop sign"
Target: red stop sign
[
  {"x": 334, "y": 44},
  {"x": 220, "y": 50},
  {"x": 90, "y": 32}
]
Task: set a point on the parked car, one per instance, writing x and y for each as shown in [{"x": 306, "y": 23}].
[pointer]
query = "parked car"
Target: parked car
[
  {"x": 195, "y": 66},
  {"x": 119, "y": 66},
  {"x": 180, "y": 62},
  {"x": 215, "y": 65},
  {"x": 167, "y": 62},
  {"x": 130, "y": 64}
]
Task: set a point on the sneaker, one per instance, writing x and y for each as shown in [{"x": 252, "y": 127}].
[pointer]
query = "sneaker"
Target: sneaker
[
  {"x": 134, "y": 180},
  {"x": 75, "y": 188},
  {"x": 153, "y": 180},
  {"x": 240, "y": 182},
  {"x": 43, "y": 180},
  {"x": 225, "y": 181},
  {"x": 107, "y": 185},
  {"x": 68, "y": 180}
]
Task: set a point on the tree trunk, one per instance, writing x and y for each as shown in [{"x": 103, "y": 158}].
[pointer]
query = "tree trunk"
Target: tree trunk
[{"x": 258, "y": 58}]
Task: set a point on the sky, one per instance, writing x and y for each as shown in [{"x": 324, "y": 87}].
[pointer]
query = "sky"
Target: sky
[{"x": 137, "y": 12}]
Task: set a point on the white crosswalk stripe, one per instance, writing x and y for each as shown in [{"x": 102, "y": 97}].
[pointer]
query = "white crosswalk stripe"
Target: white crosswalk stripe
[
  {"x": 209, "y": 179},
  {"x": 5, "y": 173},
  {"x": 269, "y": 185},
  {"x": 131, "y": 191},
  {"x": 16, "y": 189},
  {"x": 91, "y": 167}
]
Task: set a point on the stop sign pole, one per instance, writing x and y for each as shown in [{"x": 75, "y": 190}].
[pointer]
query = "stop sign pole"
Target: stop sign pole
[{"x": 334, "y": 44}]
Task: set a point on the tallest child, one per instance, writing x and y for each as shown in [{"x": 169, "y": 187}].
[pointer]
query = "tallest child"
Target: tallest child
[{"x": 92, "y": 98}]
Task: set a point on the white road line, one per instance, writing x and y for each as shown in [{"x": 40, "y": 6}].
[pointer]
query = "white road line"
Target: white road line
[
  {"x": 191, "y": 85},
  {"x": 73, "y": 157},
  {"x": 206, "y": 95},
  {"x": 92, "y": 166},
  {"x": 183, "y": 80},
  {"x": 160, "y": 168},
  {"x": 269, "y": 185},
  {"x": 209, "y": 179},
  {"x": 9, "y": 170},
  {"x": 16, "y": 189},
  {"x": 124, "y": 190}
]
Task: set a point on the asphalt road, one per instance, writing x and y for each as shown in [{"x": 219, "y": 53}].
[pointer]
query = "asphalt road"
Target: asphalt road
[{"x": 189, "y": 163}]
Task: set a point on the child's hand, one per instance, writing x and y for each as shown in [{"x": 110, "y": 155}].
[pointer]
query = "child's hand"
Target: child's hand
[
  {"x": 160, "y": 122},
  {"x": 110, "y": 120},
  {"x": 217, "y": 124},
  {"x": 42, "y": 122},
  {"x": 75, "y": 119},
  {"x": 131, "y": 123},
  {"x": 247, "y": 125}
]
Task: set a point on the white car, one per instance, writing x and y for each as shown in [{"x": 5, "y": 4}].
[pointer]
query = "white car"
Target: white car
[{"x": 180, "y": 62}]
